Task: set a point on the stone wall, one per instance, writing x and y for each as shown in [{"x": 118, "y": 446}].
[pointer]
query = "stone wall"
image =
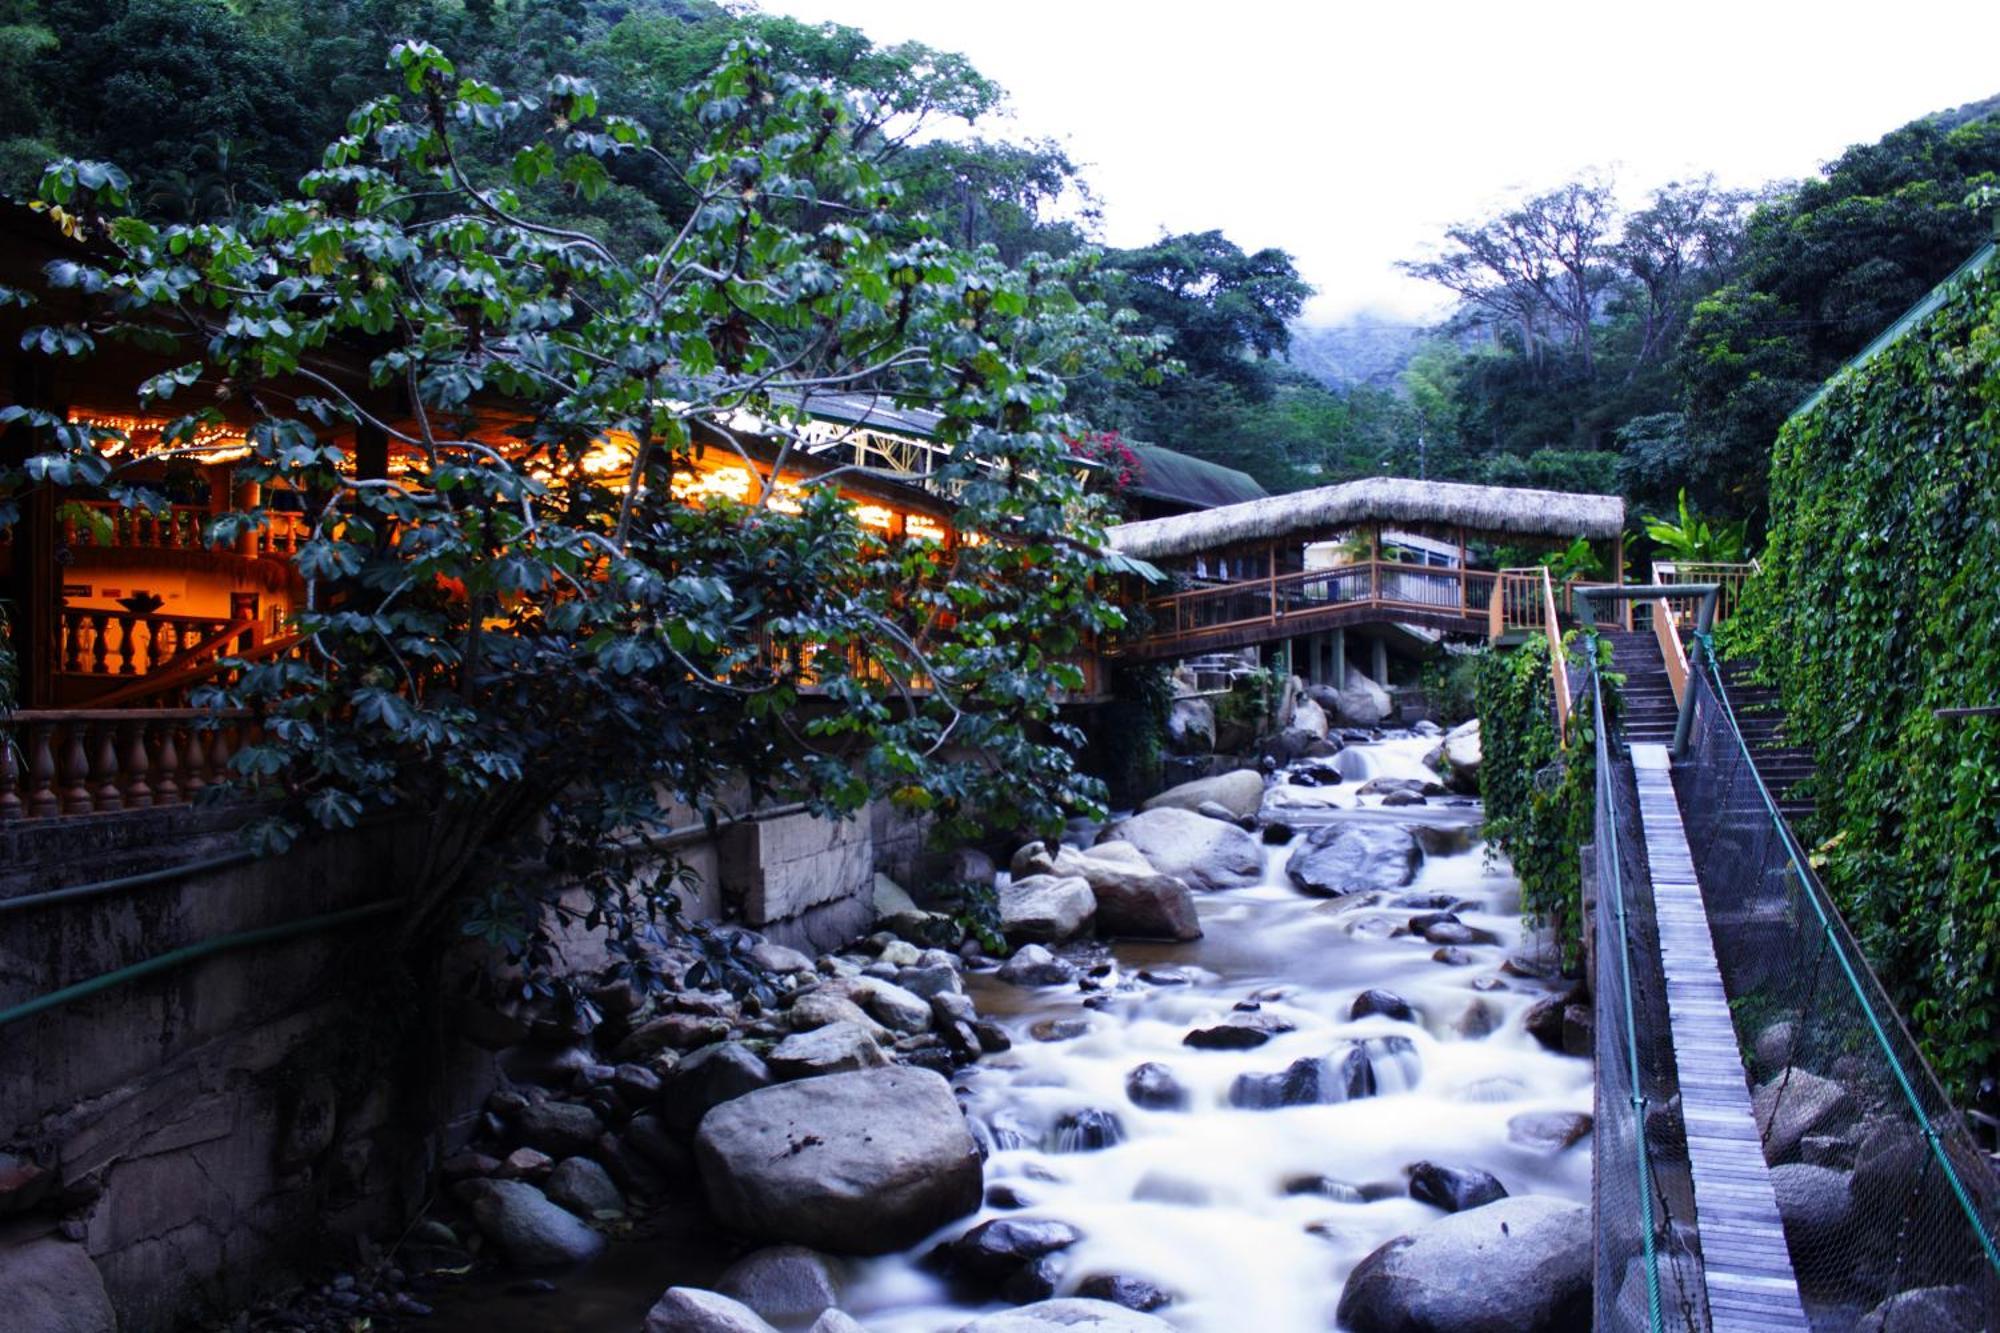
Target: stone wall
[
  {"x": 195, "y": 1131},
  {"x": 198, "y": 1127}
]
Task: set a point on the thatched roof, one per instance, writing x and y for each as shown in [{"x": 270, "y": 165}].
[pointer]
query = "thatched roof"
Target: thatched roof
[{"x": 1326, "y": 510}]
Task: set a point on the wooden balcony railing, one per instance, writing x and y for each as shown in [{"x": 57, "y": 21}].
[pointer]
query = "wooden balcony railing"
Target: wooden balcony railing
[
  {"x": 1730, "y": 576},
  {"x": 1272, "y": 601},
  {"x": 128, "y": 643},
  {"x": 88, "y": 523},
  {"x": 56, "y": 763}
]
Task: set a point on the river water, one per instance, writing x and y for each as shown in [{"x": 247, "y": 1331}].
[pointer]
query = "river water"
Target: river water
[{"x": 1204, "y": 1202}]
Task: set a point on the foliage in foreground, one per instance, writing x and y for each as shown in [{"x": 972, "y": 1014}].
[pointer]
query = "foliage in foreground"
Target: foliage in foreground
[
  {"x": 543, "y": 647},
  {"x": 1874, "y": 609},
  {"x": 1539, "y": 792}
]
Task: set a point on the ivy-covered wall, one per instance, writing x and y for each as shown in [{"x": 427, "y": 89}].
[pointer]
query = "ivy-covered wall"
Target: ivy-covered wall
[
  {"x": 1538, "y": 792},
  {"x": 1879, "y": 603}
]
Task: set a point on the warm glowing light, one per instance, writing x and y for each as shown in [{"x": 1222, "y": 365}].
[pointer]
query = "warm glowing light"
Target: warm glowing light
[
  {"x": 923, "y": 527},
  {"x": 144, "y": 435},
  {"x": 728, "y": 483},
  {"x": 876, "y": 516},
  {"x": 612, "y": 454},
  {"x": 787, "y": 499}
]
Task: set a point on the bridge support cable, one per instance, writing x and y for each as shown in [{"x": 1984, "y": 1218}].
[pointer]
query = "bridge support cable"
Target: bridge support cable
[{"x": 1887, "y": 1202}]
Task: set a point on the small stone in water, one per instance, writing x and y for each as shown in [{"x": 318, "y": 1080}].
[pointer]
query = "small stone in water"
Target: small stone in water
[
  {"x": 1452, "y": 956},
  {"x": 993, "y": 1038},
  {"x": 1457, "y": 932},
  {"x": 1006, "y": 1196},
  {"x": 1550, "y": 1131},
  {"x": 1454, "y": 1189},
  {"x": 1277, "y": 833},
  {"x": 1059, "y": 1029},
  {"x": 1153, "y": 1086},
  {"x": 1386, "y": 1003},
  {"x": 1247, "y": 1006},
  {"x": 1085, "y": 1131},
  {"x": 1238, "y": 1034},
  {"x": 1165, "y": 976},
  {"x": 1327, "y": 1187},
  {"x": 1488, "y": 984},
  {"x": 1131, "y": 1292}
]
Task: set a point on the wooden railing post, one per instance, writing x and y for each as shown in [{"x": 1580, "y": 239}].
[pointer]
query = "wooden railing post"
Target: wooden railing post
[
  {"x": 75, "y": 772},
  {"x": 10, "y": 775},
  {"x": 42, "y": 801},
  {"x": 104, "y": 768},
  {"x": 138, "y": 791}
]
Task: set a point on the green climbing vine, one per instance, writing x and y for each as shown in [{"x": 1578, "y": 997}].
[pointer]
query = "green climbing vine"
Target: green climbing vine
[
  {"x": 1878, "y": 604},
  {"x": 1539, "y": 790}
]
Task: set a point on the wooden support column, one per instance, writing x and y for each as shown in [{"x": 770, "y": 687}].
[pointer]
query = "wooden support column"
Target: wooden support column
[
  {"x": 1339, "y": 659},
  {"x": 1381, "y": 647},
  {"x": 1618, "y": 576},
  {"x": 1463, "y": 603},
  {"x": 371, "y": 452}
]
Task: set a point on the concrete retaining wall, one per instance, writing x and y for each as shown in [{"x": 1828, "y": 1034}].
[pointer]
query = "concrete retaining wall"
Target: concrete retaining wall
[{"x": 206, "y": 1126}]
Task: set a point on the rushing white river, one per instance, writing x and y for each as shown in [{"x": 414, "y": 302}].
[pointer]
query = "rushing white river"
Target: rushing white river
[{"x": 1211, "y": 1203}]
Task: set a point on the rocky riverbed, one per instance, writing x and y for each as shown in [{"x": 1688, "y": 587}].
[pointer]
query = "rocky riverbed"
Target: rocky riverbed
[{"x": 1273, "y": 1053}]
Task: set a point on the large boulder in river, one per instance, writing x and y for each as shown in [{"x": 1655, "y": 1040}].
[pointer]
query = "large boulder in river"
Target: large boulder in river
[
  {"x": 1795, "y": 1103},
  {"x": 1191, "y": 726},
  {"x": 1461, "y": 754},
  {"x": 1133, "y": 900},
  {"x": 1205, "y": 853},
  {"x": 1337, "y": 859},
  {"x": 1043, "y": 909},
  {"x": 1240, "y": 793},
  {"x": 1522, "y": 1265},
  {"x": 1070, "y": 1312},
  {"x": 1360, "y": 702},
  {"x": 858, "y": 1163}
]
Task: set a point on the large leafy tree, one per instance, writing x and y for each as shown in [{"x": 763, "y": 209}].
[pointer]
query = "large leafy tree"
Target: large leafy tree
[{"x": 529, "y": 635}]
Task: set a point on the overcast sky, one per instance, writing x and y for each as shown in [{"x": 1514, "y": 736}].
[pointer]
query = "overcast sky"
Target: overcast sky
[{"x": 1352, "y": 134}]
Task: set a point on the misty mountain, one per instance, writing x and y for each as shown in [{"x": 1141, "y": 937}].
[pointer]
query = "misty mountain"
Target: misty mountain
[{"x": 1366, "y": 348}]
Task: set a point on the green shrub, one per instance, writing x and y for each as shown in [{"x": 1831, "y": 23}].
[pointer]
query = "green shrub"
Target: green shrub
[
  {"x": 1539, "y": 792},
  {"x": 1450, "y": 686},
  {"x": 1879, "y": 602}
]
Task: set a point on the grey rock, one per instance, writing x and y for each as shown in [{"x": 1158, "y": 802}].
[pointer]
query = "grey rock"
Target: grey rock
[
  {"x": 1131, "y": 1292},
  {"x": 1817, "y": 1203},
  {"x": 836, "y": 1048},
  {"x": 1034, "y": 965},
  {"x": 1454, "y": 1189},
  {"x": 1191, "y": 726},
  {"x": 1383, "y": 1002},
  {"x": 1338, "y": 859},
  {"x": 969, "y": 865},
  {"x": 1201, "y": 852},
  {"x": 1360, "y": 702},
  {"x": 1240, "y": 1033},
  {"x": 584, "y": 1187},
  {"x": 1084, "y": 1316},
  {"x": 708, "y": 1078},
  {"x": 836, "y": 1321},
  {"x": 560, "y": 1129},
  {"x": 1087, "y": 1130},
  {"x": 777, "y": 958},
  {"x": 786, "y": 1284},
  {"x": 817, "y": 1008},
  {"x": 928, "y": 979},
  {"x": 1548, "y": 1131},
  {"x": 1133, "y": 900},
  {"x": 996, "y": 1255},
  {"x": 1794, "y": 1103},
  {"x": 1926, "y": 1310},
  {"x": 51, "y": 1286},
  {"x": 1046, "y": 908},
  {"x": 529, "y": 1229},
  {"x": 858, "y": 1163},
  {"x": 1408, "y": 786},
  {"x": 692, "y": 1310},
  {"x": 1153, "y": 1087},
  {"x": 1239, "y": 793},
  {"x": 1531, "y": 1256},
  {"x": 884, "y": 1001}
]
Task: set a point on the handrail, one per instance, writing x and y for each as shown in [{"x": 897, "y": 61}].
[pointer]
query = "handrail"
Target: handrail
[
  {"x": 163, "y": 681},
  {"x": 1816, "y": 896},
  {"x": 1606, "y": 822},
  {"x": 1558, "y": 667},
  {"x": 1666, "y": 628}
]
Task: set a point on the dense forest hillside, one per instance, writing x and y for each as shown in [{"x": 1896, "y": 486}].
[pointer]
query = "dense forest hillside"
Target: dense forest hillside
[{"x": 1647, "y": 350}]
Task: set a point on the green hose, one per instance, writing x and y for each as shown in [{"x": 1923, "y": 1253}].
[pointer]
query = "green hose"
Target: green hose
[{"x": 189, "y": 953}]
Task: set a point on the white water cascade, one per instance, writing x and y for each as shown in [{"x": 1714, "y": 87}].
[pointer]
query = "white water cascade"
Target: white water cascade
[{"x": 1252, "y": 1219}]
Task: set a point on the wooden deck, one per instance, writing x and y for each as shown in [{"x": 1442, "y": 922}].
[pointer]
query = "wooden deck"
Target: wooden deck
[{"x": 1746, "y": 1265}]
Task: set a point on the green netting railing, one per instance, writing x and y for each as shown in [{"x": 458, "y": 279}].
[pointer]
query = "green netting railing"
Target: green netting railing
[{"x": 1890, "y": 1209}]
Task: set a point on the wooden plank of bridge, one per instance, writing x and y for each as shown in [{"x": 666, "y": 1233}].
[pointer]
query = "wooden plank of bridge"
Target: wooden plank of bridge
[{"x": 1747, "y": 1268}]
